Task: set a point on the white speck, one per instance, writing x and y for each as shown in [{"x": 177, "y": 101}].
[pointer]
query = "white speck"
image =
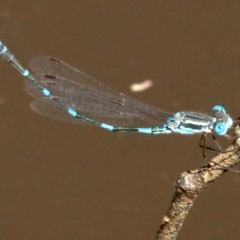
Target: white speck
[{"x": 138, "y": 87}]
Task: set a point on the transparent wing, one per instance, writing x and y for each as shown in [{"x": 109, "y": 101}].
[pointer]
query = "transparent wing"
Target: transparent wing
[{"x": 87, "y": 96}]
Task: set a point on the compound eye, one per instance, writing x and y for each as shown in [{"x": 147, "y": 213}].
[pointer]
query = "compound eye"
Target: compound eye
[
  {"x": 219, "y": 108},
  {"x": 220, "y": 128}
]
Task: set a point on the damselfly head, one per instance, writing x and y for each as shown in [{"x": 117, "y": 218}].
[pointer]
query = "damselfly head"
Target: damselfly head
[{"x": 223, "y": 121}]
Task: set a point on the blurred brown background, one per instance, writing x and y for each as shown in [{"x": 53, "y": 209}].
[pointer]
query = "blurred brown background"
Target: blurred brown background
[{"x": 68, "y": 181}]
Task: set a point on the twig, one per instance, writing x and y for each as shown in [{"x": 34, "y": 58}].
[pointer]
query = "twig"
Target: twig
[{"x": 190, "y": 183}]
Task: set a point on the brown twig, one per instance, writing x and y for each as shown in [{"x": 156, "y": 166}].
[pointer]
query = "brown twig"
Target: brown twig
[{"x": 190, "y": 183}]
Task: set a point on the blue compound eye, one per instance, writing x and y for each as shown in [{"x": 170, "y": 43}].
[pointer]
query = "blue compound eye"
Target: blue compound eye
[
  {"x": 219, "y": 108},
  {"x": 220, "y": 128}
]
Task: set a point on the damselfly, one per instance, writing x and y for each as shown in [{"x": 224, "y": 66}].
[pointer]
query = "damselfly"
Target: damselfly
[{"x": 65, "y": 93}]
